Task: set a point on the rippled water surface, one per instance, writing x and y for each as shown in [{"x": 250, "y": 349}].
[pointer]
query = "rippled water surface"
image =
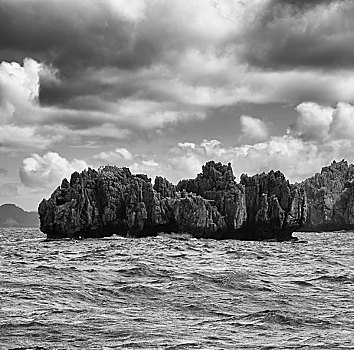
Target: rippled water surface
[{"x": 176, "y": 293}]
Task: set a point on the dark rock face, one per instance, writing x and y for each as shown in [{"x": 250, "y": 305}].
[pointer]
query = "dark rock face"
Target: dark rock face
[
  {"x": 275, "y": 208},
  {"x": 164, "y": 187},
  {"x": 330, "y": 197},
  {"x": 217, "y": 184},
  {"x": 112, "y": 200},
  {"x": 194, "y": 215}
]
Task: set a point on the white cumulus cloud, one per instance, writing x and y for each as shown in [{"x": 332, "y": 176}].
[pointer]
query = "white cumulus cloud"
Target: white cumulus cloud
[
  {"x": 19, "y": 87},
  {"x": 342, "y": 126},
  {"x": 253, "y": 130},
  {"x": 133, "y": 10},
  {"x": 48, "y": 170},
  {"x": 117, "y": 157},
  {"x": 314, "y": 121}
]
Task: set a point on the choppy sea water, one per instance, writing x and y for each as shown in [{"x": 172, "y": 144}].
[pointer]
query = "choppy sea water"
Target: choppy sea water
[{"x": 176, "y": 292}]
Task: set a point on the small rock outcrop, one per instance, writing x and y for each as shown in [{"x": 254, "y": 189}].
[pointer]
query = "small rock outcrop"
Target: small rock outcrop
[
  {"x": 275, "y": 208},
  {"x": 330, "y": 196},
  {"x": 114, "y": 201}
]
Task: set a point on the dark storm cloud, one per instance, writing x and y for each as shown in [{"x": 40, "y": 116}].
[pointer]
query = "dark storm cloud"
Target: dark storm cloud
[
  {"x": 68, "y": 35},
  {"x": 280, "y": 9},
  {"x": 78, "y": 36},
  {"x": 74, "y": 36},
  {"x": 172, "y": 62},
  {"x": 303, "y": 4},
  {"x": 300, "y": 34}
]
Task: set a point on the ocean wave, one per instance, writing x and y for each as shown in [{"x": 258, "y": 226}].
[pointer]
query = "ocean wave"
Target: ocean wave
[{"x": 175, "y": 292}]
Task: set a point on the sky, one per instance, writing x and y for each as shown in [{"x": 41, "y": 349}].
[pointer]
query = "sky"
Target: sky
[{"x": 163, "y": 86}]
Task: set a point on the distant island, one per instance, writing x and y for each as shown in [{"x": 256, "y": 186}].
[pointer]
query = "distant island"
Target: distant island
[
  {"x": 111, "y": 200},
  {"x": 14, "y": 216}
]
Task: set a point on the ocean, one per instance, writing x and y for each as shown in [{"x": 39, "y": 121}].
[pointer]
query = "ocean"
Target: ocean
[{"x": 176, "y": 292}]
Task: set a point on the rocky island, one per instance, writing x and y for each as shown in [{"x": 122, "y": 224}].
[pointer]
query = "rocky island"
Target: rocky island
[
  {"x": 111, "y": 200},
  {"x": 13, "y": 216}
]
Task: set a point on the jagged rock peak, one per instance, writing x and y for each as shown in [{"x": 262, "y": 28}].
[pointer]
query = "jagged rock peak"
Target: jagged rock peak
[
  {"x": 337, "y": 171},
  {"x": 341, "y": 166},
  {"x": 164, "y": 187},
  {"x": 267, "y": 181},
  {"x": 274, "y": 206},
  {"x": 214, "y": 177},
  {"x": 112, "y": 170},
  {"x": 330, "y": 198},
  {"x": 217, "y": 170},
  {"x": 217, "y": 184}
]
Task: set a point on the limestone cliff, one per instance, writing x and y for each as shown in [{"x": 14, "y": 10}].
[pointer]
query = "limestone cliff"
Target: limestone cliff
[
  {"x": 330, "y": 196},
  {"x": 112, "y": 200},
  {"x": 217, "y": 184},
  {"x": 275, "y": 208}
]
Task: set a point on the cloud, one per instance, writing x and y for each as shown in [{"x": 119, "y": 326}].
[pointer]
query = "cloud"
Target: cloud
[
  {"x": 129, "y": 36},
  {"x": 234, "y": 82},
  {"x": 118, "y": 156},
  {"x": 137, "y": 163},
  {"x": 150, "y": 167},
  {"x": 125, "y": 69},
  {"x": 27, "y": 124},
  {"x": 186, "y": 159},
  {"x": 324, "y": 124},
  {"x": 15, "y": 138},
  {"x": 19, "y": 87},
  {"x": 48, "y": 170},
  {"x": 294, "y": 157},
  {"x": 147, "y": 114},
  {"x": 297, "y": 34},
  {"x": 303, "y": 5},
  {"x": 320, "y": 134},
  {"x": 133, "y": 10},
  {"x": 277, "y": 153},
  {"x": 110, "y": 59},
  {"x": 128, "y": 53},
  {"x": 253, "y": 129},
  {"x": 314, "y": 121},
  {"x": 19, "y": 91},
  {"x": 9, "y": 189},
  {"x": 342, "y": 126}
]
